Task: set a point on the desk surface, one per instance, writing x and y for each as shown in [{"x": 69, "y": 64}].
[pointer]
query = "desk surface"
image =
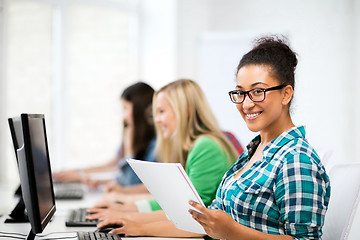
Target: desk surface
[{"x": 57, "y": 228}]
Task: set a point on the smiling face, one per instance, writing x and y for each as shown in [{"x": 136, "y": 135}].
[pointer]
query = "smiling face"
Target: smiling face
[
  {"x": 165, "y": 116},
  {"x": 272, "y": 114}
]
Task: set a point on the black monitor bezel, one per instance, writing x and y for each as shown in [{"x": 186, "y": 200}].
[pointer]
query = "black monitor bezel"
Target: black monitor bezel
[
  {"x": 15, "y": 140},
  {"x": 27, "y": 176},
  {"x": 14, "y": 136},
  {"x": 18, "y": 214}
]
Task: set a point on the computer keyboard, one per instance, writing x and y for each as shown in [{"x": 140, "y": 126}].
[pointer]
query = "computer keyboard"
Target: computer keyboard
[
  {"x": 77, "y": 218},
  {"x": 97, "y": 236},
  {"x": 68, "y": 191},
  {"x": 69, "y": 194}
]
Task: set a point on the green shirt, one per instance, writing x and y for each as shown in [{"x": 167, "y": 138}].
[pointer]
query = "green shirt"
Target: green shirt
[{"x": 206, "y": 164}]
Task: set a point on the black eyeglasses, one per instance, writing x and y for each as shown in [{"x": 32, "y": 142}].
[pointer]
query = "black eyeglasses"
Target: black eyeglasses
[{"x": 256, "y": 94}]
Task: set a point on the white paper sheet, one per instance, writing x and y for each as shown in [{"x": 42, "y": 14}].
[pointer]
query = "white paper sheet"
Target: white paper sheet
[{"x": 172, "y": 189}]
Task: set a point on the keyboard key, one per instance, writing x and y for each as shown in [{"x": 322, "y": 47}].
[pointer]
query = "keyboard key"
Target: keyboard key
[
  {"x": 77, "y": 218},
  {"x": 97, "y": 236}
]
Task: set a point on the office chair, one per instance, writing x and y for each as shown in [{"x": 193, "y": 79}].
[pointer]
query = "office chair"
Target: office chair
[
  {"x": 231, "y": 137},
  {"x": 344, "y": 198}
]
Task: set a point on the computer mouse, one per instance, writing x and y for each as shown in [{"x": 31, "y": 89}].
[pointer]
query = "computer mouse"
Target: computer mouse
[{"x": 108, "y": 228}]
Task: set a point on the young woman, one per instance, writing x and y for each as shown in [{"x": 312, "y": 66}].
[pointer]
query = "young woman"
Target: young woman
[
  {"x": 187, "y": 132},
  {"x": 278, "y": 188},
  {"x": 138, "y": 140}
]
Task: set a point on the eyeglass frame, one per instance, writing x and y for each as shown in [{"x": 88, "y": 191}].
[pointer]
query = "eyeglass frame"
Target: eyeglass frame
[{"x": 247, "y": 93}]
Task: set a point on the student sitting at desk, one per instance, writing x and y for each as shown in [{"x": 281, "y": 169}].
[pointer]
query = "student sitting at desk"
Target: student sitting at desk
[
  {"x": 138, "y": 142},
  {"x": 278, "y": 189},
  {"x": 187, "y": 132}
]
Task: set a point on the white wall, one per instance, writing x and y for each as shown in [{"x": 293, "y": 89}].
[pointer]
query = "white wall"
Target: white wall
[
  {"x": 323, "y": 33},
  {"x": 218, "y": 53},
  {"x": 356, "y": 66},
  {"x": 2, "y": 98},
  {"x": 158, "y": 41},
  {"x": 72, "y": 60}
]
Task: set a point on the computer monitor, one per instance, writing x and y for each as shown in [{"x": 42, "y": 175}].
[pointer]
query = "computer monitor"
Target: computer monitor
[
  {"x": 35, "y": 173},
  {"x": 16, "y": 132},
  {"x": 18, "y": 214}
]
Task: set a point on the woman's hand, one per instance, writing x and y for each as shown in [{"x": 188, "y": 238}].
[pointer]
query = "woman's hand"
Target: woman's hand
[
  {"x": 216, "y": 223},
  {"x": 94, "y": 184},
  {"x": 102, "y": 211},
  {"x": 107, "y": 204},
  {"x": 128, "y": 227},
  {"x": 123, "y": 197},
  {"x": 102, "y": 214},
  {"x": 113, "y": 187},
  {"x": 68, "y": 176}
]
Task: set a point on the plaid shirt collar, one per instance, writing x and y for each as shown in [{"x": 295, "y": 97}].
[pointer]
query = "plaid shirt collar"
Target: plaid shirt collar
[{"x": 270, "y": 150}]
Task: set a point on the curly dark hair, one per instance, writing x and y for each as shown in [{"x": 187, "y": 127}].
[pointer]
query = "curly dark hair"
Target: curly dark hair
[{"x": 274, "y": 52}]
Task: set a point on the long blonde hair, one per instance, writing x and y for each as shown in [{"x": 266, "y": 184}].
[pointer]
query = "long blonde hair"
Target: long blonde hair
[{"x": 194, "y": 118}]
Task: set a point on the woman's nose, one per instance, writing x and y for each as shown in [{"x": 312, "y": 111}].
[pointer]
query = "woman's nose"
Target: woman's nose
[{"x": 247, "y": 103}]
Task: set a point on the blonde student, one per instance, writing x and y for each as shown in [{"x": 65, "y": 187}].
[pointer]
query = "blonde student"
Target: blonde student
[{"x": 188, "y": 133}]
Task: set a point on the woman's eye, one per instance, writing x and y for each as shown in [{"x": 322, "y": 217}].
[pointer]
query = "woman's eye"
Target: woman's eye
[{"x": 257, "y": 91}]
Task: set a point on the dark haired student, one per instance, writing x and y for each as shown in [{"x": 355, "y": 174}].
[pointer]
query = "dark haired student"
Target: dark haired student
[
  {"x": 278, "y": 188},
  {"x": 138, "y": 142}
]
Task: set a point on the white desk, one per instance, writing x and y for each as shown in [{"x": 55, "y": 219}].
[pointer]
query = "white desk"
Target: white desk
[{"x": 57, "y": 224}]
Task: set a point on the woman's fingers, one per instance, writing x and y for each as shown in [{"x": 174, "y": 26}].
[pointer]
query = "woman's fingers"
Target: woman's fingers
[{"x": 202, "y": 209}]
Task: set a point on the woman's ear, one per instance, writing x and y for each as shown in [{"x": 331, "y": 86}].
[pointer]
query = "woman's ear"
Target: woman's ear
[{"x": 287, "y": 94}]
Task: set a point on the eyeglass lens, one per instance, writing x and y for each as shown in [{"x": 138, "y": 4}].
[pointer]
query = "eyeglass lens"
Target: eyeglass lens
[{"x": 256, "y": 95}]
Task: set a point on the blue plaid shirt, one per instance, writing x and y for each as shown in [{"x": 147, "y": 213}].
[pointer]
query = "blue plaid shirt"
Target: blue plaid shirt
[{"x": 287, "y": 192}]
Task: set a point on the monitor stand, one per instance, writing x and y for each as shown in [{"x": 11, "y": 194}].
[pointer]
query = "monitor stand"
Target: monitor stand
[
  {"x": 18, "y": 192},
  {"x": 18, "y": 214},
  {"x": 31, "y": 235}
]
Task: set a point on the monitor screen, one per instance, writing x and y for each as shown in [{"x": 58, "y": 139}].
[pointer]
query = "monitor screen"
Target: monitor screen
[{"x": 35, "y": 173}]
